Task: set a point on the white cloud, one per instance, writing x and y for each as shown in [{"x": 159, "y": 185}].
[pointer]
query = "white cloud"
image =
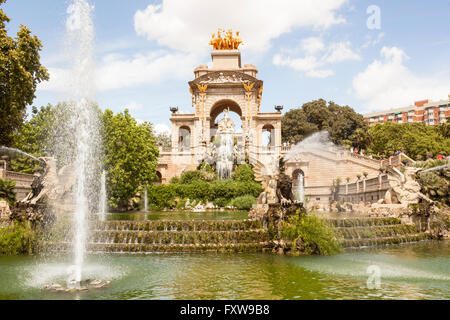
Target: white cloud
[
  {"x": 58, "y": 80},
  {"x": 312, "y": 45},
  {"x": 318, "y": 57},
  {"x": 340, "y": 51},
  {"x": 133, "y": 106},
  {"x": 161, "y": 128},
  {"x": 187, "y": 25},
  {"x": 154, "y": 67},
  {"x": 117, "y": 71},
  {"x": 388, "y": 83}
]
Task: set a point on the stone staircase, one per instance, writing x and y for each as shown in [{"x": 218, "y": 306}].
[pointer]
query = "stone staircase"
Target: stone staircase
[{"x": 370, "y": 232}]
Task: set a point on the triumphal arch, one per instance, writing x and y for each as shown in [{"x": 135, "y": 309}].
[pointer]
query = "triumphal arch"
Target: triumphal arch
[{"x": 226, "y": 86}]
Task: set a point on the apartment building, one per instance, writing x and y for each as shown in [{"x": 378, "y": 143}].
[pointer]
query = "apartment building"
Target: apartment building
[{"x": 425, "y": 111}]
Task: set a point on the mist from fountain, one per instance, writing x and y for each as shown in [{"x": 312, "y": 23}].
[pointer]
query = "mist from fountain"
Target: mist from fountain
[
  {"x": 102, "y": 202},
  {"x": 317, "y": 141}
]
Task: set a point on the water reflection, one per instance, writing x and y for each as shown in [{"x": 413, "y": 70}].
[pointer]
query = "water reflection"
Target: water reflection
[{"x": 407, "y": 272}]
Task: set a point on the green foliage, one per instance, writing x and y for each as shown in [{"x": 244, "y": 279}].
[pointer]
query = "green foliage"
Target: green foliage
[
  {"x": 192, "y": 185},
  {"x": 163, "y": 140},
  {"x": 340, "y": 121},
  {"x": 243, "y": 172},
  {"x": 17, "y": 239},
  {"x": 191, "y": 176},
  {"x": 130, "y": 156},
  {"x": 417, "y": 140},
  {"x": 20, "y": 73},
  {"x": 435, "y": 184},
  {"x": 221, "y": 202},
  {"x": 243, "y": 202},
  {"x": 310, "y": 235},
  {"x": 7, "y": 191},
  {"x": 47, "y": 133}
]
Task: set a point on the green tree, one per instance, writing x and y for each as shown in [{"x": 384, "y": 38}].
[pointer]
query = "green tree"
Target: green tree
[
  {"x": 49, "y": 132},
  {"x": 130, "y": 156},
  {"x": 20, "y": 73},
  {"x": 417, "y": 140},
  {"x": 164, "y": 140},
  {"x": 340, "y": 121}
]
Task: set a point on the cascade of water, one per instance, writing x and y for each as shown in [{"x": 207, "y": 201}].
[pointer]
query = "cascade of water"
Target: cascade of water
[
  {"x": 80, "y": 37},
  {"x": 102, "y": 204},
  {"x": 225, "y": 155},
  {"x": 301, "y": 188}
]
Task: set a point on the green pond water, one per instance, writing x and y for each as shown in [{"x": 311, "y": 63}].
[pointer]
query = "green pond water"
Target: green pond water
[
  {"x": 179, "y": 215},
  {"x": 413, "y": 271}
]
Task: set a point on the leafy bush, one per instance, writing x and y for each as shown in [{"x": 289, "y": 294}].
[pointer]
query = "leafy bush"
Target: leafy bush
[
  {"x": 190, "y": 176},
  {"x": 17, "y": 239},
  {"x": 311, "y": 235},
  {"x": 244, "y": 172},
  {"x": 192, "y": 185},
  {"x": 221, "y": 202},
  {"x": 7, "y": 191},
  {"x": 243, "y": 202}
]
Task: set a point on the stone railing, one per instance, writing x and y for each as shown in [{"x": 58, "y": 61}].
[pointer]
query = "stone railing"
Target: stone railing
[{"x": 366, "y": 190}]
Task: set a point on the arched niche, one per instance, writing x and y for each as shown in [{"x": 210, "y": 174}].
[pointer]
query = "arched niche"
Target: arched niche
[
  {"x": 296, "y": 176},
  {"x": 218, "y": 108},
  {"x": 268, "y": 136},
  {"x": 184, "y": 138}
]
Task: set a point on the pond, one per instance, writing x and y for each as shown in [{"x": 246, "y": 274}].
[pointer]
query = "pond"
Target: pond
[
  {"x": 179, "y": 215},
  {"x": 413, "y": 271}
]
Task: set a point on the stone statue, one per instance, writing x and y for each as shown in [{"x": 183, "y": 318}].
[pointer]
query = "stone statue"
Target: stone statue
[
  {"x": 225, "y": 125},
  {"x": 404, "y": 189},
  {"x": 284, "y": 186},
  {"x": 44, "y": 185}
]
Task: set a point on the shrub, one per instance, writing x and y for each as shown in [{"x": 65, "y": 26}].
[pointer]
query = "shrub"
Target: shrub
[
  {"x": 243, "y": 202},
  {"x": 310, "y": 235},
  {"x": 243, "y": 172},
  {"x": 190, "y": 176},
  {"x": 7, "y": 191},
  {"x": 17, "y": 239},
  {"x": 197, "y": 185},
  {"x": 221, "y": 202}
]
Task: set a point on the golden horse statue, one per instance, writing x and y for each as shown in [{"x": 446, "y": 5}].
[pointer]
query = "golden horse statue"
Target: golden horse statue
[{"x": 227, "y": 42}]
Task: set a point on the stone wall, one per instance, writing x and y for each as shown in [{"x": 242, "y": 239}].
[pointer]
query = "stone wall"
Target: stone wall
[{"x": 23, "y": 182}]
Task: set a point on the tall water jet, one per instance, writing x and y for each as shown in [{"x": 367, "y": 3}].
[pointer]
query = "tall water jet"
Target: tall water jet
[
  {"x": 102, "y": 201},
  {"x": 80, "y": 38},
  {"x": 145, "y": 200},
  {"x": 225, "y": 152}
]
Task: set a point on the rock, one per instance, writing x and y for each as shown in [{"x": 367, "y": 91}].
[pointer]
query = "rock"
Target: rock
[{"x": 95, "y": 282}]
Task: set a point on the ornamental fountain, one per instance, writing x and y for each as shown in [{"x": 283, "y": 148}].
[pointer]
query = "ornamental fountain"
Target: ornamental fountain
[
  {"x": 80, "y": 39},
  {"x": 225, "y": 152}
]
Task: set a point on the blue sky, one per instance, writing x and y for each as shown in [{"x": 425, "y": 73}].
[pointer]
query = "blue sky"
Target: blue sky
[{"x": 146, "y": 50}]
